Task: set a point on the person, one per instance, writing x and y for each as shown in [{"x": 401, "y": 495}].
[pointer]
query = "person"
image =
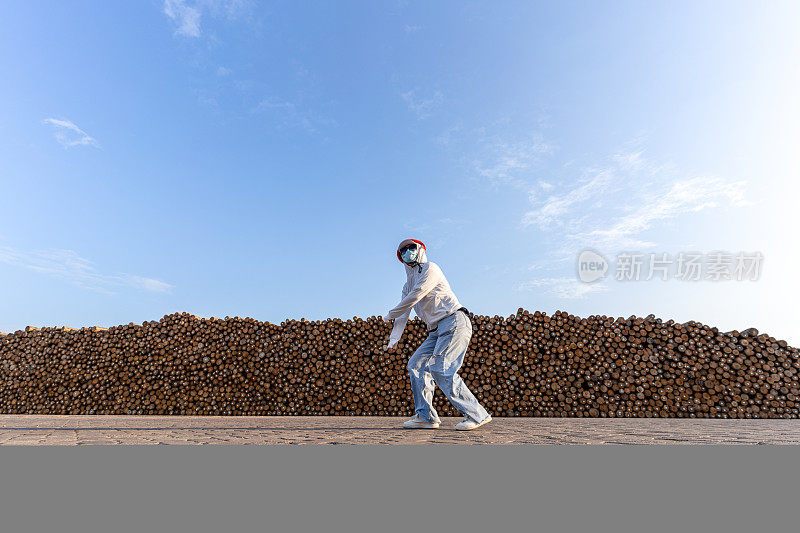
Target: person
[{"x": 440, "y": 356}]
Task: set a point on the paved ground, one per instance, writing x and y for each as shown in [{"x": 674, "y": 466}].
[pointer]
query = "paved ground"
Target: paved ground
[{"x": 80, "y": 430}]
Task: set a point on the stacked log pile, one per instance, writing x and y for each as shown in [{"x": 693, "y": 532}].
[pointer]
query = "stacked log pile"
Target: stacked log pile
[{"x": 528, "y": 364}]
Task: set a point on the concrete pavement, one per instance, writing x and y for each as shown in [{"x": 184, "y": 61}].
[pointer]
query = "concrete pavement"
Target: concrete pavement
[{"x": 192, "y": 430}]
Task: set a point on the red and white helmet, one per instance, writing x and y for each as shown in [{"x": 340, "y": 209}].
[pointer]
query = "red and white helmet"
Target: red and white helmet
[{"x": 404, "y": 244}]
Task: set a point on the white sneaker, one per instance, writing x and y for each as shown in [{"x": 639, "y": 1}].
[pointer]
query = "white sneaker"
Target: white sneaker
[
  {"x": 418, "y": 422},
  {"x": 469, "y": 424}
]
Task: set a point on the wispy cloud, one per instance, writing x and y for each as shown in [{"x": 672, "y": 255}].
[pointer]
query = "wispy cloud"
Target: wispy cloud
[
  {"x": 566, "y": 288},
  {"x": 68, "y": 134},
  {"x": 631, "y": 192},
  {"x": 681, "y": 197},
  {"x": 149, "y": 284},
  {"x": 422, "y": 105},
  {"x": 70, "y": 266},
  {"x": 185, "y": 17},
  {"x": 507, "y": 152},
  {"x": 581, "y": 217},
  {"x": 510, "y": 163},
  {"x": 287, "y": 113},
  {"x": 552, "y": 210},
  {"x": 435, "y": 232},
  {"x": 446, "y": 138},
  {"x": 611, "y": 207},
  {"x": 629, "y": 160},
  {"x": 299, "y": 110},
  {"x": 208, "y": 101}
]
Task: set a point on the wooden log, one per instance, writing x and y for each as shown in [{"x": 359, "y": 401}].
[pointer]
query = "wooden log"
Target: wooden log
[{"x": 527, "y": 364}]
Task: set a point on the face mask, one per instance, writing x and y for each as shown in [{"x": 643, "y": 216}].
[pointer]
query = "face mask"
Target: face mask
[{"x": 409, "y": 255}]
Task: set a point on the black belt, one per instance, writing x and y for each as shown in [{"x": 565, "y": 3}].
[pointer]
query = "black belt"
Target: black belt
[{"x": 466, "y": 312}]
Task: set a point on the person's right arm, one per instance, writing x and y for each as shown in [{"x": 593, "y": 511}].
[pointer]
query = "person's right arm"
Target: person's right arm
[
  {"x": 398, "y": 324},
  {"x": 428, "y": 279}
]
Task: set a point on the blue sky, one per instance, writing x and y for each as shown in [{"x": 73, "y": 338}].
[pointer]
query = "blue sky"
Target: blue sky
[{"x": 237, "y": 158}]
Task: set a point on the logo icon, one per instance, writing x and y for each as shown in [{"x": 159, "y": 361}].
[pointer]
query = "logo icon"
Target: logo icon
[{"x": 591, "y": 266}]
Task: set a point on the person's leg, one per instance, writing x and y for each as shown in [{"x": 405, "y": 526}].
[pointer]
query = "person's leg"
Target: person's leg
[
  {"x": 422, "y": 383},
  {"x": 455, "y": 333}
]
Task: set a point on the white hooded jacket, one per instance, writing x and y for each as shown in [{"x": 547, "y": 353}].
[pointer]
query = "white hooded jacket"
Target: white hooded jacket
[{"x": 426, "y": 291}]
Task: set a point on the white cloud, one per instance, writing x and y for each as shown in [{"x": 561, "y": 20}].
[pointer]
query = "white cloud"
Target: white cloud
[
  {"x": 412, "y": 28},
  {"x": 612, "y": 208},
  {"x": 423, "y": 106},
  {"x": 288, "y": 113},
  {"x": 498, "y": 155},
  {"x": 534, "y": 192},
  {"x": 274, "y": 102},
  {"x": 232, "y": 9},
  {"x": 445, "y": 138},
  {"x": 69, "y": 266},
  {"x": 436, "y": 233},
  {"x": 149, "y": 284},
  {"x": 509, "y": 163},
  {"x": 553, "y": 210},
  {"x": 223, "y": 71},
  {"x": 629, "y": 160},
  {"x": 565, "y": 288},
  {"x": 185, "y": 17},
  {"x": 681, "y": 197},
  {"x": 68, "y": 134},
  {"x": 208, "y": 101}
]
